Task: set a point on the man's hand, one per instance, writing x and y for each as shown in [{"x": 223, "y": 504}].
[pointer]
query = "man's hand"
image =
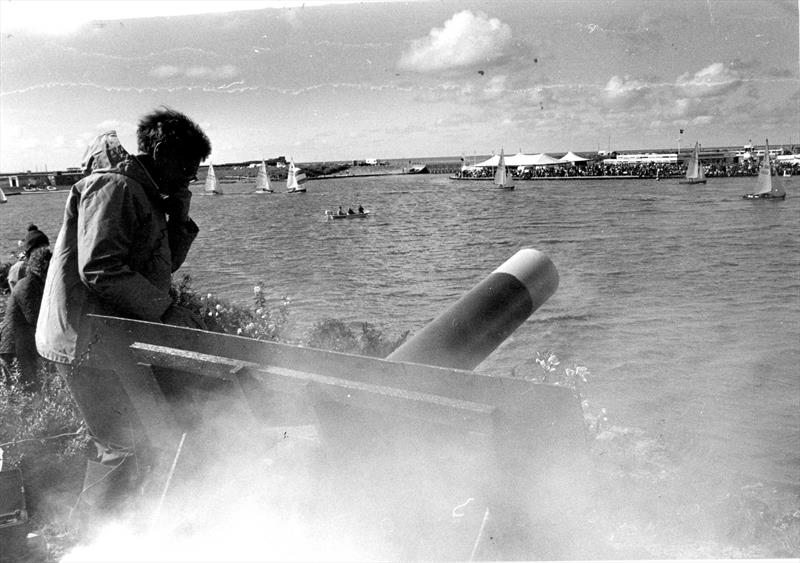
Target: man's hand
[
  {"x": 178, "y": 205},
  {"x": 181, "y": 316}
]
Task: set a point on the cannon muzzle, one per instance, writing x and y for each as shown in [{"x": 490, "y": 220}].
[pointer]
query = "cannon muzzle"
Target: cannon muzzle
[{"x": 475, "y": 325}]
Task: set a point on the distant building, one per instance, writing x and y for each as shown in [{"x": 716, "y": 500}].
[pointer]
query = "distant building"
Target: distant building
[
  {"x": 646, "y": 157},
  {"x": 33, "y": 181}
]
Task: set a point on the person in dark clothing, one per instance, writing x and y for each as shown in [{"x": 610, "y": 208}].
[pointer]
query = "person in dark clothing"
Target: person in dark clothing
[
  {"x": 17, "y": 333},
  {"x": 33, "y": 240},
  {"x": 126, "y": 229}
]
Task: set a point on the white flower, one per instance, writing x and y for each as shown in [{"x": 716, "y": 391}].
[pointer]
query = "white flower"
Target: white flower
[{"x": 257, "y": 289}]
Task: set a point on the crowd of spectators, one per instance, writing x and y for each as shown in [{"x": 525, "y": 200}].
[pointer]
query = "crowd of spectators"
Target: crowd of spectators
[{"x": 633, "y": 169}]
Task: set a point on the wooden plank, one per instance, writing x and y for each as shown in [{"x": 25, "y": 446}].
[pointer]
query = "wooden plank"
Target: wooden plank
[
  {"x": 185, "y": 360},
  {"x": 465, "y": 415},
  {"x": 549, "y": 409}
]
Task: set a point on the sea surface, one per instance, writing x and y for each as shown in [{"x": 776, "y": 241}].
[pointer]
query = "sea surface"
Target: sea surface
[{"x": 682, "y": 301}]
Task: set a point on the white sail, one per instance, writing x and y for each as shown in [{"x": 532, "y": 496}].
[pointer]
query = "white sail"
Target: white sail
[
  {"x": 694, "y": 171},
  {"x": 262, "y": 179},
  {"x": 294, "y": 178},
  {"x": 212, "y": 184},
  {"x": 501, "y": 177},
  {"x": 765, "y": 184},
  {"x": 3, "y": 198}
]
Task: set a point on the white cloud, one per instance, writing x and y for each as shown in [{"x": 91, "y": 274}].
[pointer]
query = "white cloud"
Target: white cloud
[
  {"x": 497, "y": 87},
  {"x": 714, "y": 80},
  {"x": 466, "y": 39},
  {"x": 212, "y": 73},
  {"x": 682, "y": 107},
  {"x": 625, "y": 90},
  {"x": 108, "y": 125},
  {"x": 223, "y": 71},
  {"x": 165, "y": 71},
  {"x": 59, "y": 17},
  {"x": 26, "y": 142}
]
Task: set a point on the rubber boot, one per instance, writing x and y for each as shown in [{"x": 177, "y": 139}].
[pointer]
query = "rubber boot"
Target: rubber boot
[{"x": 108, "y": 489}]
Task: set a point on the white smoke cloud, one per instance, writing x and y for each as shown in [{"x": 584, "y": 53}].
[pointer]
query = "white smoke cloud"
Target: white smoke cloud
[{"x": 465, "y": 39}]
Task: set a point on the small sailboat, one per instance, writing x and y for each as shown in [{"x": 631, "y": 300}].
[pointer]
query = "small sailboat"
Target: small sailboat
[
  {"x": 767, "y": 188},
  {"x": 262, "y": 180},
  {"x": 295, "y": 179},
  {"x": 212, "y": 184},
  {"x": 503, "y": 180},
  {"x": 3, "y": 198},
  {"x": 694, "y": 171}
]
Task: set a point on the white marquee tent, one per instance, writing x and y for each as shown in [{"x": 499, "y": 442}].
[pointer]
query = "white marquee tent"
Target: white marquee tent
[
  {"x": 523, "y": 160},
  {"x": 572, "y": 157}
]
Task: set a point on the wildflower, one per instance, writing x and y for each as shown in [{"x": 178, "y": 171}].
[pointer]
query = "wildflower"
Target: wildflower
[
  {"x": 218, "y": 307},
  {"x": 257, "y": 289}
]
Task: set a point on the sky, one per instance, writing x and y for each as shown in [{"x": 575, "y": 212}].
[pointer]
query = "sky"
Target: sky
[{"x": 328, "y": 81}]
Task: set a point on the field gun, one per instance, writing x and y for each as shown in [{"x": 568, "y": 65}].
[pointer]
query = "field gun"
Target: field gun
[{"x": 415, "y": 455}]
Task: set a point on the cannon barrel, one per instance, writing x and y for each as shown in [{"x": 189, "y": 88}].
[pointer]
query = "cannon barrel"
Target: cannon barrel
[{"x": 475, "y": 325}]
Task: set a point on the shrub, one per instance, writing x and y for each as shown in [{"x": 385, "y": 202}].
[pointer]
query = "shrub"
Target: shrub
[
  {"x": 314, "y": 169},
  {"x": 4, "y": 268},
  {"x": 573, "y": 376},
  {"x": 259, "y": 321},
  {"x": 42, "y": 434},
  {"x": 335, "y": 335}
]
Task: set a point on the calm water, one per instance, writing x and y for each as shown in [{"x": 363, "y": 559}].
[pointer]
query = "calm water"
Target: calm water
[{"x": 683, "y": 302}]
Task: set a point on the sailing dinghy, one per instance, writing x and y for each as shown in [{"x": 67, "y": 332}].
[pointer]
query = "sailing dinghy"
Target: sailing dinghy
[
  {"x": 694, "y": 171},
  {"x": 767, "y": 188},
  {"x": 503, "y": 180},
  {"x": 262, "y": 180},
  {"x": 3, "y": 198},
  {"x": 212, "y": 184},
  {"x": 295, "y": 179}
]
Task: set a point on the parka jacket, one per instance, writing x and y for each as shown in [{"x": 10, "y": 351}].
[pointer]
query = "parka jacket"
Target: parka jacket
[
  {"x": 19, "y": 324},
  {"x": 115, "y": 252}
]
